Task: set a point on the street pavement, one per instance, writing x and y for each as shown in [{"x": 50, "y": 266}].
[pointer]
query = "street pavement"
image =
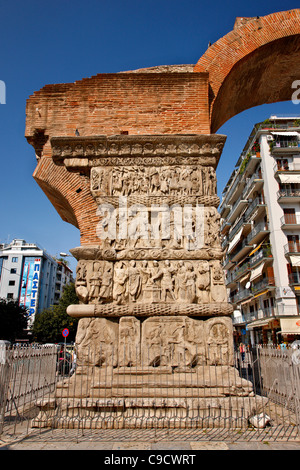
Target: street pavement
[{"x": 68, "y": 440}]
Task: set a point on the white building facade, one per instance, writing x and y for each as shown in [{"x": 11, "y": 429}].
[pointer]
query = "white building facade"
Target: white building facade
[
  {"x": 31, "y": 276},
  {"x": 260, "y": 228}
]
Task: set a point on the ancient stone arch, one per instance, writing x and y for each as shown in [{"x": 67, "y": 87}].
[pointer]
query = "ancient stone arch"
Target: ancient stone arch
[
  {"x": 130, "y": 159},
  {"x": 254, "y": 64}
]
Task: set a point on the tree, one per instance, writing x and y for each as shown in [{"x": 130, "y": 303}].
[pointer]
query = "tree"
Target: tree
[
  {"x": 49, "y": 324},
  {"x": 13, "y": 320}
]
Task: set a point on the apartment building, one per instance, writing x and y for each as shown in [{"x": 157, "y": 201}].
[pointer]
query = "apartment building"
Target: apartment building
[
  {"x": 260, "y": 227},
  {"x": 31, "y": 276},
  {"x": 64, "y": 275}
]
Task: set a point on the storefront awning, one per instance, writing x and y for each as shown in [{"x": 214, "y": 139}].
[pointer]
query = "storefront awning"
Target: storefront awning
[
  {"x": 261, "y": 293},
  {"x": 235, "y": 240},
  {"x": 244, "y": 278},
  {"x": 258, "y": 324},
  {"x": 295, "y": 260},
  {"x": 290, "y": 326},
  {"x": 256, "y": 248},
  {"x": 256, "y": 272},
  {"x": 290, "y": 178},
  {"x": 285, "y": 133}
]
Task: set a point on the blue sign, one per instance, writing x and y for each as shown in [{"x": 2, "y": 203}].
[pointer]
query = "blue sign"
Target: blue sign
[
  {"x": 30, "y": 284},
  {"x": 65, "y": 332}
]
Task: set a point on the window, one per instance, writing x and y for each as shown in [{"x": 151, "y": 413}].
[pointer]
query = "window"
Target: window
[
  {"x": 11, "y": 283},
  {"x": 282, "y": 164},
  {"x": 289, "y": 216},
  {"x": 13, "y": 271},
  {"x": 293, "y": 243},
  {"x": 10, "y": 296},
  {"x": 14, "y": 259}
]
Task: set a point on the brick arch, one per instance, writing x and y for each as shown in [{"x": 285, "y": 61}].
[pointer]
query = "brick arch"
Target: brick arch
[
  {"x": 75, "y": 207},
  {"x": 254, "y": 64}
]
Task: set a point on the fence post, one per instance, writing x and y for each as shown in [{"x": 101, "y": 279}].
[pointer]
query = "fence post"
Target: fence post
[
  {"x": 4, "y": 382},
  {"x": 295, "y": 363}
]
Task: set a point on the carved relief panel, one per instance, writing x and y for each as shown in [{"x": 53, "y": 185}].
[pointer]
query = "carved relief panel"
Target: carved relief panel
[
  {"x": 156, "y": 342},
  {"x": 150, "y": 281},
  {"x": 156, "y": 181},
  {"x": 97, "y": 342},
  {"x": 172, "y": 341},
  {"x": 94, "y": 281},
  {"x": 188, "y": 227}
]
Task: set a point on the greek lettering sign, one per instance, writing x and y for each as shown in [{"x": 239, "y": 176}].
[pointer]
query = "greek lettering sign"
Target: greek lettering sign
[{"x": 30, "y": 284}]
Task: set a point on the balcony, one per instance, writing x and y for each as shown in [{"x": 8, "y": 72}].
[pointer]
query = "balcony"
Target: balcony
[
  {"x": 241, "y": 295},
  {"x": 264, "y": 254},
  {"x": 225, "y": 205},
  {"x": 249, "y": 163},
  {"x": 258, "y": 233},
  {"x": 236, "y": 209},
  {"x": 241, "y": 250},
  {"x": 254, "y": 184},
  {"x": 238, "y": 318},
  {"x": 290, "y": 221},
  {"x": 288, "y": 195},
  {"x": 241, "y": 222},
  {"x": 225, "y": 227},
  {"x": 266, "y": 313},
  {"x": 264, "y": 284},
  {"x": 292, "y": 247},
  {"x": 286, "y": 167},
  {"x": 294, "y": 278},
  {"x": 257, "y": 204},
  {"x": 236, "y": 273},
  {"x": 228, "y": 263},
  {"x": 285, "y": 146}
]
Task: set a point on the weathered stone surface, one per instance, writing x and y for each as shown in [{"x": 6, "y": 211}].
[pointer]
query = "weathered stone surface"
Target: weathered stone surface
[{"x": 143, "y": 195}]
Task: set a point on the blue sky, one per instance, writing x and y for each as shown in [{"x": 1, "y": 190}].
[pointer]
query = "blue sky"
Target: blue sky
[{"x": 63, "y": 41}]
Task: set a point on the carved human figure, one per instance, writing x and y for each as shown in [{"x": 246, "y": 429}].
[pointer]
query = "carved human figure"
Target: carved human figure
[
  {"x": 154, "y": 181},
  {"x": 105, "y": 293},
  {"x": 96, "y": 341},
  {"x": 212, "y": 226},
  {"x": 154, "y": 341},
  {"x": 218, "y": 290},
  {"x": 212, "y": 185},
  {"x": 203, "y": 282},
  {"x": 81, "y": 282},
  {"x": 145, "y": 272},
  {"x": 167, "y": 284},
  {"x": 120, "y": 282},
  {"x": 209, "y": 182},
  {"x": 95, "y": 282},
  {"x": 156, "y": 274},
  {"x": 196, "y": 182},
  {"x": 219, "y": 348},
  {"x": 129, "y": 341},
  {"x": 174, "y": 182},
  {"x": 116, "y": 183},
  {"x": 190, "y": 284},
  {"x": 175, "y": 345},
  {"x": 135, "y": 282},
  {"x": 180, "y": 287}
]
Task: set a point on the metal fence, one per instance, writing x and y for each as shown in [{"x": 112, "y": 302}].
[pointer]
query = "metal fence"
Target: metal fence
[
  {"x": 258, "y": 395},
  {"x": 26, "y": 374}
]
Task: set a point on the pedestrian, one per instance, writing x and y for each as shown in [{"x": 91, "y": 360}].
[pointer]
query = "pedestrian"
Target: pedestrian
[{"x": 242, "y": 351}]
